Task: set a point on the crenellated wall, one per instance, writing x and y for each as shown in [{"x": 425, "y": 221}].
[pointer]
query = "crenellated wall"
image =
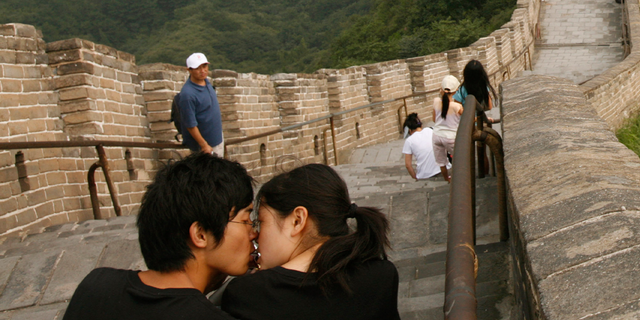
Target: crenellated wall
[{"x": 79, "y": 90}]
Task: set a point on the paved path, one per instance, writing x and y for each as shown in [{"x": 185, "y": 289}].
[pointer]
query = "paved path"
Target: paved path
[{"x": 580, "y": 38}]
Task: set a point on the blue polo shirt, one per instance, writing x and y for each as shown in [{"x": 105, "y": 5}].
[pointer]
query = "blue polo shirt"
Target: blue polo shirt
[{"x": 199, "y": 108}]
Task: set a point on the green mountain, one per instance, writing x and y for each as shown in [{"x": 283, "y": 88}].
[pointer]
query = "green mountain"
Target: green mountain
[{"x": 266, "y": 36}]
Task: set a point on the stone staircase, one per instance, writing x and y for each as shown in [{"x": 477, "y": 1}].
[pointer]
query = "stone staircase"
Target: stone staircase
[{"x": 418, "y": 214}]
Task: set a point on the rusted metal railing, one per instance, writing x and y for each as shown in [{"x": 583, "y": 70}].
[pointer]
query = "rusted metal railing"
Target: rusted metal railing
[
  {"x": 461, "y": 261},
  {"x": 101, "y": 163},
  {"x": 331, "y": 118}
]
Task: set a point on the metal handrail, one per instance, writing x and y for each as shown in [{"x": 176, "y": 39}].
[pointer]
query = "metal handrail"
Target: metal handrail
[
  {"x": 461, "y": 262},
  {"x": 101, "y": 163}
]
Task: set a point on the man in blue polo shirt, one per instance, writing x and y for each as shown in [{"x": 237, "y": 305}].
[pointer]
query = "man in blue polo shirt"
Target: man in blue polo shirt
[{"x": 199, "y": 109}]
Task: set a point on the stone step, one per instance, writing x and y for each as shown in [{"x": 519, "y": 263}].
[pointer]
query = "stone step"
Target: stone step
[{"x": 422, "y": 280}]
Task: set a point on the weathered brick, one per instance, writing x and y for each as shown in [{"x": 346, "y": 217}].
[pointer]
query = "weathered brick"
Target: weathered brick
[
  {"x": 16, "y": 128},
  {"x": 82, "y": 117},
  {"x": 25, "y": 58},
  {"x": 45, "y": 98},
  {"x": 56, "y": 57},
  {"x": 44, "y": 210},
  {"x": 74, "y": 93},
  {"x": 73, "y": 80},
  {"x": 113, "y": 96},
  {"x": 106, "y": 50},
  {"x": 13, "y": 72},
  {"x": 31, "y": 85},
  {"x": 75, "y": 67},
  {"x": 11, "y": 85},
  {"x": 25, "y": 30},
  {"x": 85, "y": 128},
  {"x": 96, "y": 93},
  {"x": 7, "y": 56},
  {"x": 67, "y": 44},
  {"x": 7, "y": 30},
  {"x": 158, "y": 96},
  {"x": 75, "y": 177},
  {"x": 35, "y": 72},
  {"x": 36, "y": 197},
  {"x": 9, "y": 205},
  {"x": 36, "y": 125},
  {"x": 128, "y": 98},
  {"x": 47, "y": 165},
  {"x": 55, "y": 192},
  {"x": 77, "y": 105},
  {"x": 107, "y": 83},
  {"x": 26, "y": 217}
]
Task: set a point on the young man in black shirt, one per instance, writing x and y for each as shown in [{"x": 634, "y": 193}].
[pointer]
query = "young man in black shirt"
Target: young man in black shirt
[{"x": 194, "y": 230}]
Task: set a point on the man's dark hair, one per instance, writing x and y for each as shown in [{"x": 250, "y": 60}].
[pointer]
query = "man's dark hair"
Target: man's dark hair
[
  {"x": 412, "y": 121},
  {"x": 200, "y": 188}
]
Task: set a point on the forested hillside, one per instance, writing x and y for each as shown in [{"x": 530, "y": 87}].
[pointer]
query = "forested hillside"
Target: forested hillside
[{"x": 266, "y": 36}]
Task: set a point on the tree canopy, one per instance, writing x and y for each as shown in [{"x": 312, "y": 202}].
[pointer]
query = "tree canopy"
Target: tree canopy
[{"x": 266, "y": 36}]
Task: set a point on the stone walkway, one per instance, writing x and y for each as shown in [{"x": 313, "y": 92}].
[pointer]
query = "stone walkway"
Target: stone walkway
[{"x": 580, "y": 38}]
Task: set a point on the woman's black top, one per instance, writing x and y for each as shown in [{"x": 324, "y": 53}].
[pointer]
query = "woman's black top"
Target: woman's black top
[{"x": 281, "y": 293}]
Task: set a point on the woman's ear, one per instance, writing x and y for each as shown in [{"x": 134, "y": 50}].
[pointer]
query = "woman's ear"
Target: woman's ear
[
  {"x": 300, "y": 218},
  {"x": 199, "y": 236}
]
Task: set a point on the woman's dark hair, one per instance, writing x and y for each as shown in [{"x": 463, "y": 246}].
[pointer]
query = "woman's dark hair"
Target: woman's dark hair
[
  {"x": 476, "y": 82},
  {"x": 445, "y": 105},
  {"x": 412, "y": 122},
  {"x": 320, "y": 189},
  {"x": 200, "y": 188}
]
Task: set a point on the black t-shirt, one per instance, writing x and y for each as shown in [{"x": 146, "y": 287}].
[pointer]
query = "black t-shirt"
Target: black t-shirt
[
  {"x": 281, "y": 293},
  {"x": 109, "y": 294}
]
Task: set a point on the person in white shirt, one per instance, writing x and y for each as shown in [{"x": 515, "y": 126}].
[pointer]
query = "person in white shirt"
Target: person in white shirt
[
  {"x": 446, "y": 115},
  {"x": 419, "y": 144}
]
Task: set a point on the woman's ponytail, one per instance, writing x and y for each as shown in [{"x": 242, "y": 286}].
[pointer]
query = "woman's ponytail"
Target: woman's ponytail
[
  {"x": 445, "y": 105},
  {"x": 339, "y": 254}
]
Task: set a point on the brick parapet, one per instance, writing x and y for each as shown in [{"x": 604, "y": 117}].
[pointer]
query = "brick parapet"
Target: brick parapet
[
  {"x": 572, "y": 218},
  {"x": 615, "y": 93}
]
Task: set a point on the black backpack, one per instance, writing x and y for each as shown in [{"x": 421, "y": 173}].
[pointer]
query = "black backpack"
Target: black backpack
[{"x": 175, "y": 115}]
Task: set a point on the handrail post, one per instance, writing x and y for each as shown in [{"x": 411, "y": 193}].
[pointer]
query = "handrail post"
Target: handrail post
[
  {"x": 324, "y": 144},
  {"x": 494, "y": 141},
  {"x": 104, "y": 164},
  {"x": 333, "y": 140},
  {"x": 480, "y": 146}
]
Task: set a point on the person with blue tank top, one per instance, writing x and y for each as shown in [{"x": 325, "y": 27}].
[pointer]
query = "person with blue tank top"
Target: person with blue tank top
[
  {"x": 201, "y": 119},
  {"x": 476, "y": 82}
]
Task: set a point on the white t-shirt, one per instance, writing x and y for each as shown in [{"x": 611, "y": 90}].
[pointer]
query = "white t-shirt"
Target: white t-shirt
[
  {"x": 420, "y": 145},
  {"x": 448, "y": 127}
]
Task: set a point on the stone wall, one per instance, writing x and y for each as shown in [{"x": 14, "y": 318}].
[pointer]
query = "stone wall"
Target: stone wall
[
  {"x": 615, "y": 93},
  {"x": 74, "y": 90},
  {"x": 574, "y": 204}
]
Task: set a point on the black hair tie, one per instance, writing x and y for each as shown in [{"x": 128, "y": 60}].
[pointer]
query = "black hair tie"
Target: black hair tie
[{"x": 352, "y": 211}]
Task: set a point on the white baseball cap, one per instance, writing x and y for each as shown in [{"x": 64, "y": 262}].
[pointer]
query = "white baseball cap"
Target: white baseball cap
[
  {"x": 450, "y": 83},
  {"x": 195, "y": 60}
]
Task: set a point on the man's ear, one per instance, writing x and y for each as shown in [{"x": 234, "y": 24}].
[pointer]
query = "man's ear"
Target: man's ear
[
  {"x": 199, "y": 236},
  {"x": 299, "y": 219}
]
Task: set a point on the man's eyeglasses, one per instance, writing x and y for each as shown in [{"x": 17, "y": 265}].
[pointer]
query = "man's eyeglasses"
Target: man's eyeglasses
[{"x": 255, "y": 225}]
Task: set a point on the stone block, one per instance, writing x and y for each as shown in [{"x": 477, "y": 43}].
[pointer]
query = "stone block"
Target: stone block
[
  {"x": 36, "y": 125},
  {"x": 73, "y": 80},
  {"x": 67, "y": 44},
  {"x": 76, "y": 262},
  {"x": 32, "y": 271},
  {"x": 75, "y": 67},
  {"x": 77, "y": 105},
  {"x": 13, "y": 72},
  {"x": 17, "y": 128},
  {"x": 7, "y": 30},
  {"x": 45, "y": 98},
  {"x": 158, "y": 96},
  {"x": 106, "y": 50},
  {"x": 7, "y": 56},
  {"x": 57, "y": 57},
  {"x": 84, "y": 129},
  {"x": 31, "y": 85},
  {"x": 56, "y": 178},
  {"x": 74, "y": 93},
  {"x": 11, "y": 85}
]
